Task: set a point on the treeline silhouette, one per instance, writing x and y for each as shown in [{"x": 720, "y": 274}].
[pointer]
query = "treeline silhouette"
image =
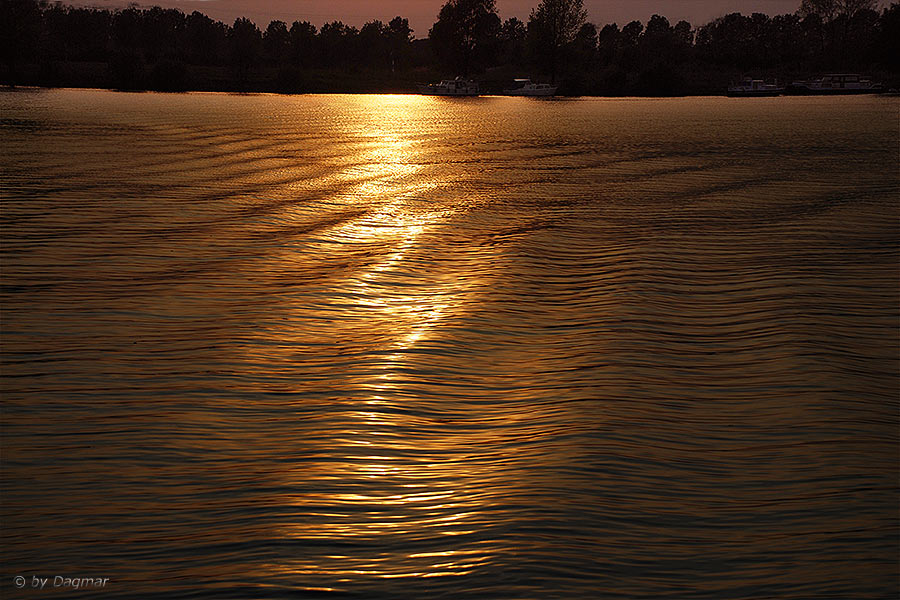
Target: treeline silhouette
[{"x": 168, "y": 50}]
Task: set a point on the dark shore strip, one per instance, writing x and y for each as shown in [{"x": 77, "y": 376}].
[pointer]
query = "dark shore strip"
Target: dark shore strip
[{"x": 154, "y": 49}]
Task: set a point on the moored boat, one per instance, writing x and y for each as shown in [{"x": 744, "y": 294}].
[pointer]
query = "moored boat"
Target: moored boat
[
  {"x": 754, "y": 88},
  {"x": 451, "y": 87},
  {"x": 525, "y": 87},
  {"x": 835, "y": 84}
]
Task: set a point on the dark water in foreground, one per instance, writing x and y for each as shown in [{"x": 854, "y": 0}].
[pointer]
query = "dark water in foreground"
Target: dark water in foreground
[{"x": 399, "y": 347}]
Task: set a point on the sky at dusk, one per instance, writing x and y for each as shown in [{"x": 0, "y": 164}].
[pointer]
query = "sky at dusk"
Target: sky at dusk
[{"x": 423, "y": 13}]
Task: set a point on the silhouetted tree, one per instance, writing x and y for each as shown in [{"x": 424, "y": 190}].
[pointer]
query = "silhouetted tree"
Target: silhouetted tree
[
  {"x": 338, "y": 44},
  {"x": 609, "y": 44},
  {"x": 276, "y": 43},
  {"x": 161, "y": 30},
  {"x": 684, "y": 34},
  {"x": 584, "y": 48},
  {"x": 128, "y": 30},
  {"x": 788, "y": 40},
  {"x": 658, "y": 40},
  {"x": 465, "y": 34},
  {"x": 205, "y": 40},
  {"x": 581, "y": 71},
  {"x": 836, "y": 17},
  {"x": 552, "y": 26},
  {"x": 857, "y": 28},
  {"x": 889, "y": 38},
  {"x": 826, "y": 10},
  {"x": 631, "y": 33},
  {"x": 20, "y": 26},
  {"x": 399, "y": 36},
  {"x": 53, "y": 39},
  {"x": 303, "y": 43},
  {"x": 373, "y": 39},
  {"x": 728, "y": 41},
  {"x": 150, "y": 48},
  {"x": 628, "y": 40},
  {"x": 245, "y": 40},
  {"x": 829, "y": 10},
  {"x": 512, "y": 36},
  {"x": 684, "y": 40},
  {"x": 88, "y": 33},
  {"x": 385, "y": 46},
  {"x": 762, "y": 40},
  {"x": 659, "y": 56}
]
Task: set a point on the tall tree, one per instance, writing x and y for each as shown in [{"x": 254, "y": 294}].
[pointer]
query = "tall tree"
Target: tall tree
[
  {"x": 245, "y": 40},
  {"x": 826, "y": 10},
  {"x": 399, "y": 37},
  {"x": 373, "y": 41},
  {"x": 629, "y": 38},
  {"x": 553, "y": 25},
  {"x": 889, "y": 40},
  {"x": 339, "y": 44},
  {"x": 20, "y": 28},
  {"x": 465, "y": 34},
  {"x": 658, "y": 40},
  {"x": 277, "y": 42},
  {"x": 836, "y": 16},
  {"x": 585, "y": 47},
  {"x": 303, "y": 43},
  {"x": 609, "y": 44},
  {"x": 684, "y": 40},
  {"x": 512, "y": 37},
  {"x": 829, "y": 10},
  {"x": 161, "y": 32},
  {"x": 206, "y": 40}
]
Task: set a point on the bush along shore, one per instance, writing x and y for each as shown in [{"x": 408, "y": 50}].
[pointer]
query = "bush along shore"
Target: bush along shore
[{"x": 54, "y": 45}]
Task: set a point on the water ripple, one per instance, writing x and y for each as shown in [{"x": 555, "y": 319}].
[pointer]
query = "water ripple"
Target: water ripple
[{"x": 404, "y": 347}]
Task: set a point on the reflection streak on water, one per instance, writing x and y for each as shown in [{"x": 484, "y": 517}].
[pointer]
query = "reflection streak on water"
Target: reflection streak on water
[{"x": 405, "y": 307}]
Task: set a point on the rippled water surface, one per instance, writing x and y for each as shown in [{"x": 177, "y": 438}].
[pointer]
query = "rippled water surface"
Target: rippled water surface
[{"x": 391, "y": 347}]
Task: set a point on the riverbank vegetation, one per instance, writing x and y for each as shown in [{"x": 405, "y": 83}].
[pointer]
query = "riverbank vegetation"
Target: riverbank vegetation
[{"x": 56, "y": 45}]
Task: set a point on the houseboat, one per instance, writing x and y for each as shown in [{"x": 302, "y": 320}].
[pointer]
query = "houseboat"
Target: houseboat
[
  {"x": 450, "y": 87},
  {"x": 835, "y": 84},
  {"x": 754, "y": 88},
  {"x": 525, "y": 87}
]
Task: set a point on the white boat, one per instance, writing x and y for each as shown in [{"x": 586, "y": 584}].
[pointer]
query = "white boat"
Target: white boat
[
  {"x": 525, "y": 87},
  {"x": 451, "y": 87},
  {"x": 836, "y": 84},
  {"x": 754, "y": 88}
]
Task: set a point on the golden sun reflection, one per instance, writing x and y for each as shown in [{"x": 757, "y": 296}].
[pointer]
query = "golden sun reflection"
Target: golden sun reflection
[{"x": 378, "y": 482}]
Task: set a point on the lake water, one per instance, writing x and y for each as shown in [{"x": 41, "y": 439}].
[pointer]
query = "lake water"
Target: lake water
[{"x": 398, "y": 347}]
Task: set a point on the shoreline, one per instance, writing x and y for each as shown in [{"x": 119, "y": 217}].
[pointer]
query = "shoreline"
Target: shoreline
[
  {"x": 13, "y": 88},
  {"x": 705, "y": 81}
]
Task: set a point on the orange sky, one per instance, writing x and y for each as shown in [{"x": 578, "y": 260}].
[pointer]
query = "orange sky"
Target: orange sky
[{"x": 422, "y": 13}]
